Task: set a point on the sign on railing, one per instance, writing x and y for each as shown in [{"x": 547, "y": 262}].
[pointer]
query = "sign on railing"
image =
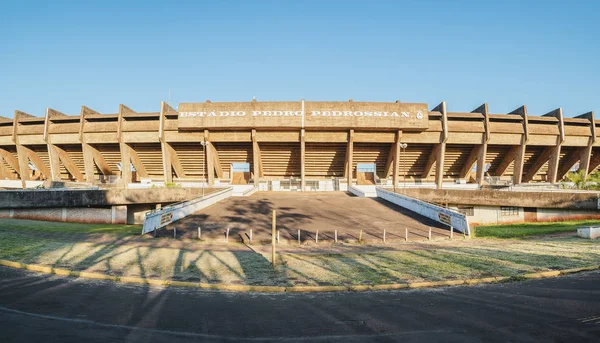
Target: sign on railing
[
  {"x": 440, "y": 214},
  {"x": 164, "y": 216}
]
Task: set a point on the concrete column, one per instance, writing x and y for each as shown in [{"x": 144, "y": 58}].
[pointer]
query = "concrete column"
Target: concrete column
[
  {"x": 255, "y": 158},
  {"x": 21, "y": 152},
  {"x": 302, "y": 161},
  {"x": 586, "y": 153},
  {"x": 480, "y": 175},
  {"x": 166, "y": 153},
  {"x": 439, "y": 165},
  {"x": 554, "y": 159},
  {"x": 52, "y": 154},
  {"x": 125, "y": 165},
  {"x": 210, "y": 162},
  {"x": 349, "y": 153},
  {"x": 519, "y": 161},
  {"x": 441, "y": 151},
  {"x": 396, "y": 167},
  {"x": 520, "y": 155}
]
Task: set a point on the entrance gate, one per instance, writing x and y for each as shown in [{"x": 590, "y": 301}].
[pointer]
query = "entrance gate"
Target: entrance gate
[
  {"x": 365, "y": 173},
  {"x": 240, "y": 173}
]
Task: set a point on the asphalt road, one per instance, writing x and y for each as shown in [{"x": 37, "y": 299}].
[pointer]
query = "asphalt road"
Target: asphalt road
[{"x": 36, "y": 307}]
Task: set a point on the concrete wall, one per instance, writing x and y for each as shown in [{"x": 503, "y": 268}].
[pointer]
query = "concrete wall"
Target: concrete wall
[
  {"x": 137, "y": 213},
  {"x": 572, "y": 200},
  {"x": 100, "y": 215},
  {"x": 94, "y": 197},
  {"x": 493, "y": 215}
]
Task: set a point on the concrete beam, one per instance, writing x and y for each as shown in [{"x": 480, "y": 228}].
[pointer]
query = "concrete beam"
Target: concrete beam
[
  {"x": 431, "y": 161},
  {"x": 471, "y": 159},
  {"x": 508, "y": 158},
  {"x": 594, "y": 163},
  {"x": 10, "y": 159},
  {"x": 68, "y": 164},
  {"x": 217, "y": 161},
  {"x": 100, "y": 162},
  {"x": 137, "y": 162},
  {"x": 174, "y": 161},
  {"x": 568, "y": 162},
  {"x": 539, "y": 162}
]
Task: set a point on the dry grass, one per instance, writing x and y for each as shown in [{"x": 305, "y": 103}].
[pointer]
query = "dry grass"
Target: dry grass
[{"x": 432, "y": 261}]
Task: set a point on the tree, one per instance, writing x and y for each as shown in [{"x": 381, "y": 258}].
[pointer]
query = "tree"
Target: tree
[{"x": 582, "y": 181}]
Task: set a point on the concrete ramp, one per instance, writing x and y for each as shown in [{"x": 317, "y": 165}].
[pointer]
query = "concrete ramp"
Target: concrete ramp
[{"x": 166, "y": 215}]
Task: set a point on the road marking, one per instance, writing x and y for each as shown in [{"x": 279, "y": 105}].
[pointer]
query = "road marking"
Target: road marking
[{"x": 595, "y": 318}]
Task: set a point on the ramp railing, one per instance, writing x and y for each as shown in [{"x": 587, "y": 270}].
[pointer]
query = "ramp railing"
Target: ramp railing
[
  {"x": 439, "y": 214},
  {"x": 158, "y": 218}
]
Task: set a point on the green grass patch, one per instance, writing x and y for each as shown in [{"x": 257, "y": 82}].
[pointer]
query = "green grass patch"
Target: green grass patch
[
  {"x": 531, "y": 229},
  {"x": 58, "y": 227}
]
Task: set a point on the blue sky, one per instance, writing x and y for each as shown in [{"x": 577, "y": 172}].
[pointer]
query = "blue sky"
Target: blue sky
[{"x": 64, "y": 54}]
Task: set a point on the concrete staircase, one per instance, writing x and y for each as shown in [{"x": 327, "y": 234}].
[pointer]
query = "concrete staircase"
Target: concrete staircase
[{"x": 243, "y": 190}]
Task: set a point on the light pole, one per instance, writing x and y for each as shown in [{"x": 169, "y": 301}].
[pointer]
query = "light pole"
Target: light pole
[
  {"x": 403, "y": 147},
  {"x": 203, "y": 143}
]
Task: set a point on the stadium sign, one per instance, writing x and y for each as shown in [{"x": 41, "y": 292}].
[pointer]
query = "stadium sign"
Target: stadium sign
[
  {"x": 303, "y": 114},
  {"x": 403, "y": 114}
]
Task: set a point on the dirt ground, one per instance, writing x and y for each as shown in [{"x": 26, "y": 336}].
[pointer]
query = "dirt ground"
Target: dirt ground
[{"x": 309, "y": 213}]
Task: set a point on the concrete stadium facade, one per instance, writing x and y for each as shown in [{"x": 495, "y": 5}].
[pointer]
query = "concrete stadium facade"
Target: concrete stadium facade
[{"x": 301, "y": 145}]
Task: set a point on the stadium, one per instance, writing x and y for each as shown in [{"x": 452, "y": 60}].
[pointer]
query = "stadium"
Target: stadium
[{"x": 489, "y": 167}]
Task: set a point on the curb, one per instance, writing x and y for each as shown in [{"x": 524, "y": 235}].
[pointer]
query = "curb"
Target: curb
[{"x": 290, "y": 289}]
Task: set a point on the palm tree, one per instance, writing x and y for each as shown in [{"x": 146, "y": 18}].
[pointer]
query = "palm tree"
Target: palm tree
[
  {"x": 579, "y": 179},
  {"x": 582, "y": 181}
]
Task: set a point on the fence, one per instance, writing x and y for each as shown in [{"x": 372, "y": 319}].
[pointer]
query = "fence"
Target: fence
[
  {"x": 439, "y": 214},
  {"x": 164, "y": 216}
]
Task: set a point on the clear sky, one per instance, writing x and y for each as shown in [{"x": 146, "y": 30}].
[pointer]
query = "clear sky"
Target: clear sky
[{"x": 64, "y": 54}]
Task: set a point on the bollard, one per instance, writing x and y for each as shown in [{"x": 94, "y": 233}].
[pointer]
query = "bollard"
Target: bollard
[
  {"x": 317, "y": 237},
  {"x": 335, "y": 236},
  {"x": 451, "y": 232},
  {"x": 273, "y": 233},
  {"x": 250, "y": 235},
  {"x": 464, "y": 235},
  {"x": 199, "y": 232},
  {"x": 429, "y": 233},
  {"x": 406, "y": 235},
  {"x": 383, "y": 235},
  {"x": 360, "y": 236},
  {"x": 277, "y": 236},
  {"x": 174, "y": 232},
  {"x": 298, "y": 236},
  {"x": 154, "y": 232},
  {"x": 227, "y": 236}
]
